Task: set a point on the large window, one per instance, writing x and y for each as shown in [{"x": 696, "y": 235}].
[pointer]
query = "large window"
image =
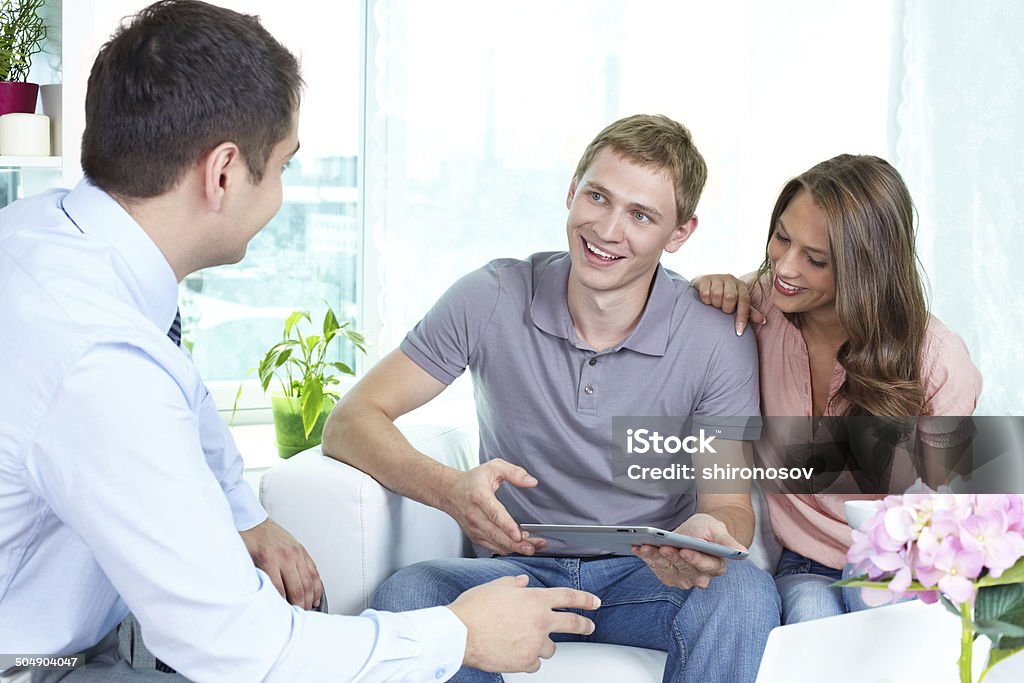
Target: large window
[{"x": 310, "y": 252}]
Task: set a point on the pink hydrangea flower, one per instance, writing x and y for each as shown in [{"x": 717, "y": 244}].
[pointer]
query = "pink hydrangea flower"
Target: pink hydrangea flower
[
  {"x": 953, "y": 570},
  {"x": 943, "y": 540},
  {"x": 989, "y": 535},
  {"x": 1012, "y": 506}
]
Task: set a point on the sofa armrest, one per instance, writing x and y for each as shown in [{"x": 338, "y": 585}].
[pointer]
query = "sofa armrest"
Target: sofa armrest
[{"x": 356, "y": 531}]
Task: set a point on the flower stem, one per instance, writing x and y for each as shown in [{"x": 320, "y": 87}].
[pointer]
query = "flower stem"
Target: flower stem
[{"x": 966, "y": 641}]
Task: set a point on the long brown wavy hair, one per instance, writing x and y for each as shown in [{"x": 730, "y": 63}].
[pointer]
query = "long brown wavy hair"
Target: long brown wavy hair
[{"x": 880, "y": 300}]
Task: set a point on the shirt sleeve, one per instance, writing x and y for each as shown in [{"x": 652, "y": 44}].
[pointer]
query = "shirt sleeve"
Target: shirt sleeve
[
  {"x": 952, "y": 382},
  {"x": 730, "y": 405},
  {"x": 444, "y": 341},
  {"x": 122, "y": 464},
  {"x": 952, "y": 385},
  {"x": 225, "y": 461}
]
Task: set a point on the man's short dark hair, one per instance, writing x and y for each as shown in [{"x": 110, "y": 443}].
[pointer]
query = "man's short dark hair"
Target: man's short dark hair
[{"x": 175, "y": 81}]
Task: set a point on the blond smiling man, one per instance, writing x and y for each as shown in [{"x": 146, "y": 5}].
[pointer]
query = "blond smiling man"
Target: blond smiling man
[{"x": 558, "y": 345}]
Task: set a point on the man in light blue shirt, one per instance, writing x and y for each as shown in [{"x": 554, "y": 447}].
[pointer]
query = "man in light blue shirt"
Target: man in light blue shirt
[{"x": 120, "y": 487}]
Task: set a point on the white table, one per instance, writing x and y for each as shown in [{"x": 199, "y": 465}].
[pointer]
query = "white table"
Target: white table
[{"x": 908, "y": 642}]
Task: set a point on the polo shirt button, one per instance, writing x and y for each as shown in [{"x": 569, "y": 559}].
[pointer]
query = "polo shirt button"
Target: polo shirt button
[
  {"x": 439, "y": 674},
  {"x": 588, "y": 389},
  {"x": 593, "y": 361}
]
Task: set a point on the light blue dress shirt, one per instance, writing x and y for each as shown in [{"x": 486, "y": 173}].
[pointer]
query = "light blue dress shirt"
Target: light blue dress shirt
[{"x": 121, "y": 488}]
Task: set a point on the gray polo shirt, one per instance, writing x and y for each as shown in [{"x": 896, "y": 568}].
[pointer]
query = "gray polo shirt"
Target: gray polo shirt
[{"x": 545, "y": 399}]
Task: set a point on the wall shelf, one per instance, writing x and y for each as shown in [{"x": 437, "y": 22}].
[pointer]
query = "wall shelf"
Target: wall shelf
[{"x": 9, "y": 162}]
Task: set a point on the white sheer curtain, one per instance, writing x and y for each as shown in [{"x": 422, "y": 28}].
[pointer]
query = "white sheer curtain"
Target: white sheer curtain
[
  {"x": 478, "y": 112},
  {"x": 959, "y": 143},
  {"x": 477, "y": 115}
]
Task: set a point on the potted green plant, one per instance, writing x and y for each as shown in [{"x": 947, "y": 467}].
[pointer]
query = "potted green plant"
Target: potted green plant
[
  {"x": 22, "y": 32},
  {"x": 306, "y": 375}
]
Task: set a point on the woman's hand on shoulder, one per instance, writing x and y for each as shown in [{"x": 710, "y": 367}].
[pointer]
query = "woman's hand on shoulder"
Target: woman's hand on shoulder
[{"x": 728, "y": 293}]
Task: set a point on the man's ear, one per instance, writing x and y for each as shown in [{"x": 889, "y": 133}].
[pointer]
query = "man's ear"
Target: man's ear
[
  {"x": 221, "y": 167},
  {"x": 680, "y": 234},
  {"x": 572, "y": 193}
]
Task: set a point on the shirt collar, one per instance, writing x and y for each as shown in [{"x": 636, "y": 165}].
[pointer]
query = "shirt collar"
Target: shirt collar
[
  {"x": 152, "y": 284},
  {"x": 549, "y": 309}
]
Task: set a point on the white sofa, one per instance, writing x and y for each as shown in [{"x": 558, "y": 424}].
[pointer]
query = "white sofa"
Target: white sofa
[{"x": 360, "y": 533}]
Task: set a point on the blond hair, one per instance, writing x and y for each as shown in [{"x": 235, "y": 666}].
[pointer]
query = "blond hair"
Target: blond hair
[{"x": 656, "y": 141}]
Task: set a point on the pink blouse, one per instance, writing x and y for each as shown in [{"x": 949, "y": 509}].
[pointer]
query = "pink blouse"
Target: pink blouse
[{"x": 814, "y": 524}]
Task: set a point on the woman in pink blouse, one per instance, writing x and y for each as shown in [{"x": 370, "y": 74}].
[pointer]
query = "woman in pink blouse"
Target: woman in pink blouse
[{"x": 843, "y": 329}]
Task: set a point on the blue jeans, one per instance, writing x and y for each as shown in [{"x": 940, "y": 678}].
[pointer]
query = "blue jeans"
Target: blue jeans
[
  {"x": 807, "y": 593},
  {"x": 712, "y": 634}
]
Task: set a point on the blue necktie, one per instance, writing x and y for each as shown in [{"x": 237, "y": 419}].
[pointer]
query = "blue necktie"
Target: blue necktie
[{"x": 175, "y": 332}]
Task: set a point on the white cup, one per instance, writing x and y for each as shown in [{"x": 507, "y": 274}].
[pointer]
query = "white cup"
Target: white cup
[
  {"x": 25, "y": 135},
  {"x": 860, "y": 511}
]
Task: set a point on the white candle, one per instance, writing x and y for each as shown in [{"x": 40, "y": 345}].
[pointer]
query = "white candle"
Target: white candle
[
  {"x": 25, "y": 135},
  {"x": 50, "y": 96}
]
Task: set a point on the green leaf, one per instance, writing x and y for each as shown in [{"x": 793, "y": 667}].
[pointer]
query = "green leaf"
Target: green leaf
[
  {"x": 860, "y": 582},
  {"x": 999, "y": 612},
  {"x": 998, "y": 654},
  {"x": 312, "y": 402},
  {"x": 342, "y": 368},
  {"x": 266, "y": 370},
  {"x": 995, "y": 602},
  {"x": 358, "y": 340},
  {"x": 330, "y": 324},
  {"x": 286, "y": 343},
  {"x": 863, "y": 582},
  {"x": 312, "y": 342},
  {"x": 238, "y": 394},
  {"x": 275, "y": 358},
  {"x": 950, "y": 607},
  {"x": 996, "y": 629},
  {"x": 1014, "y": 574},
  {"x": 295, "y": 317}
]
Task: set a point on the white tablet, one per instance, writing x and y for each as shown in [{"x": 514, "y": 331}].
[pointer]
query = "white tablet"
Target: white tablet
[{"x": 620, "y": 539}]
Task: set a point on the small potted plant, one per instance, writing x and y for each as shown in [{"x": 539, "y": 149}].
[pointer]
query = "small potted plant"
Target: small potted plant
[
  {"x": 306, "y": 375},
  {"x": 22, "y": 32}
]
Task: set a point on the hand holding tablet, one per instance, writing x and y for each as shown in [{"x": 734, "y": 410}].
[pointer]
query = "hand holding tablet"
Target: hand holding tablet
[{"x": 619, "y": 540}]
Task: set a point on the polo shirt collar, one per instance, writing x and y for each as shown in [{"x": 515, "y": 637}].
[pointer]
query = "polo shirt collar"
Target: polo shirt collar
[
  {"x": 549, "y": 309},
  {"x": 151, "y": 281},
  {"x": 651, "y": 334}
]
